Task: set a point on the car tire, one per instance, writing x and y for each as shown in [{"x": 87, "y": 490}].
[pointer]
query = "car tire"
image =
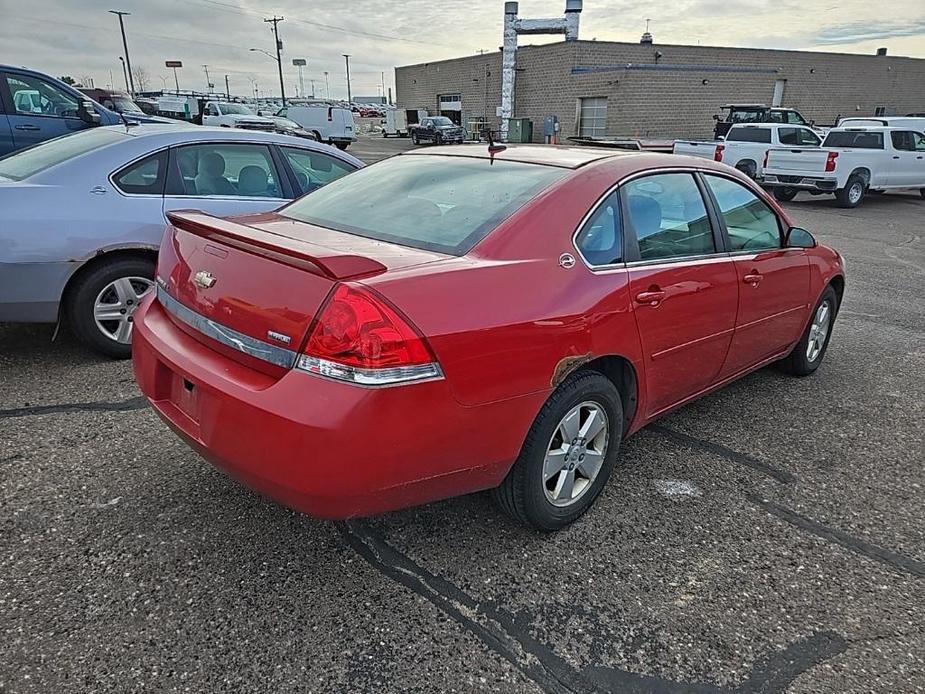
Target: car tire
[
  {"x": 414, "y": 139},
  {"x": 852, "y": 194},
  {"x": 438, "y": 139},
  {"x": 109, "y": 283},
  {"x": 525, "y": 494},
  {"x": 922, "y": 192},
  {"x": 748, "y": 167},
  {"x": 341, "y": 145},
  {"x": 806, "y": 357},
  {"x": 785, "y": 194}
]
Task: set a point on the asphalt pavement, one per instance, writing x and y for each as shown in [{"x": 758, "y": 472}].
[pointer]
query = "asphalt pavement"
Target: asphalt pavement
[{"x": 767, "y": 538}]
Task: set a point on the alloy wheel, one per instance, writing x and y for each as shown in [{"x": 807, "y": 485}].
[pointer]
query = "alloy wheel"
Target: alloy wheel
[
  {"x": 575, "y": 453},
  {"x": 818, "y": 331},
  {"x": 115, "y": 306}
]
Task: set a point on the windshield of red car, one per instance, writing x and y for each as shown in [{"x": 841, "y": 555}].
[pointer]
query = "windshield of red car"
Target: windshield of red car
[{"x": 444, "y": 204}]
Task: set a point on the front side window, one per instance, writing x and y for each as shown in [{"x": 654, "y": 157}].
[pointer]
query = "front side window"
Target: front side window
[
  {"x": 750, "y": 224},
  {"x": 228, "y": 170},
  {"x": 668, "y": 217},
  {"x": 439, "y": 203},
  {"x": 145, "y": 177},
  {"x": 35, "y": 96},
  {"x": 314, "y": 169},
  {"x": 600, "y": 240},
  {"x": 795, "y": 118},
  {"x": 919, "y": 141}
]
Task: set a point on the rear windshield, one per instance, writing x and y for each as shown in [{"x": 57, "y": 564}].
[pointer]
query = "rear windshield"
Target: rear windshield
[
  {"x": 28, "y": 162},
  {"x": 855, "y": 139},
  {"x": 749, "y": 135},
  {"x": 444, "y": 204}
]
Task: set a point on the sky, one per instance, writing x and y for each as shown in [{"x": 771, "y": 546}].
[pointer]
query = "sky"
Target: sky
[{"x": 80, "y": 38}]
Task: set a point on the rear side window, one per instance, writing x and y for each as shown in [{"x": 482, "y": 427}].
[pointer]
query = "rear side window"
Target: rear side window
[
  {"x": 857, "y": 139},
  {"x": 314, "y": 169},
  {"x": 28, "y": 162},
  {"x": 227, "y": 170},
  {"x": 145, "y": 177},
  {"x": 668, "y": 217},
  {"x": 750, "y": 223},
  {"x": 749, "y": 135},
  {"x": 439, "y": 203},
  {"x": 600, "y": 240}
]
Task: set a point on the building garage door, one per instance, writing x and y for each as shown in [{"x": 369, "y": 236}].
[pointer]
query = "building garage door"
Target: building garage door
[{"x": 592, "y": 116}]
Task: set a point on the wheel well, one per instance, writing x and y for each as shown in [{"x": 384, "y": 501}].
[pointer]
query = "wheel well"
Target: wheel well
[
  {"x": 147, "y": 253},
  {"x": 838, "y": 284},
  {"x": 621, "y": 372},
  {"x": 863, "y": 173}
]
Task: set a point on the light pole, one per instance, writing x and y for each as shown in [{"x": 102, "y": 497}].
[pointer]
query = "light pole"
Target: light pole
[
  {"x": 279, "y": 60},
  {"x": 130, "y": 80},
  {"x": 124, "y": 73},
  {"x": 313, "y": 88},
  {"x": 300, "y": 63},
  {"x": 347, "y": 61},
  {"x": 327, "y": 88}
]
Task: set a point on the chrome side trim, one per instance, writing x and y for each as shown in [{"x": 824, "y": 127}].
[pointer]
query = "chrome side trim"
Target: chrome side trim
[{"x": 253, "y": 347}]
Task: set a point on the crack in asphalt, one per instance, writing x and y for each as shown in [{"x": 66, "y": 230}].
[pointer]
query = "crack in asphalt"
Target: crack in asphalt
[
  {"x": 509, "y": 637},
  {"x": 729, "y": 454},
  {"x": 841, "y": 538},
  {"x": 137, "y": 403}
]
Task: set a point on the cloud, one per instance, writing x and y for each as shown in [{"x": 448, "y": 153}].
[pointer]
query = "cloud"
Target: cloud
[{"x": 857, "y": 32}]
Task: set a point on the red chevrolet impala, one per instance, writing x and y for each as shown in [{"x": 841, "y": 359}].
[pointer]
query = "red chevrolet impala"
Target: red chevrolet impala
[{"x": 451, "y": 320}]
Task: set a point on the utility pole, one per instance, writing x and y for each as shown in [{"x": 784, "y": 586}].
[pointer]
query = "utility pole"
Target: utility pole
[
  {"x": 382, "y": 81},
  {"x": 347, "y": 60},
  {"x": 227, "y": 89},
  {"x": 130, "y": 80},
  {"x": 327, "y": 88},
  {"x": 279, "y": 60},
  {"x": 208, "y": 81}
]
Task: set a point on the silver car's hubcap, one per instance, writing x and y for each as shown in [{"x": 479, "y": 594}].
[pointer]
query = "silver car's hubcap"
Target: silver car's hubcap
[
  {"x": 854, "y": 192},
  {"x": 818, "y": 331},
  {"x": 115, "y": 306},
  {"x": 575, "y": 454}
]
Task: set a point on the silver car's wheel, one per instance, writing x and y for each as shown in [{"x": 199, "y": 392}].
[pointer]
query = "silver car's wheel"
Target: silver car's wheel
[
  {"x": 819, "y": 330},
  {"x": 115, "y": 305},
  {"x": 575, "y": 453}
]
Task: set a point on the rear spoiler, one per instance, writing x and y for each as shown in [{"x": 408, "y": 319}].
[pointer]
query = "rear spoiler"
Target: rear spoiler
[{"x": 283, "y": 249}]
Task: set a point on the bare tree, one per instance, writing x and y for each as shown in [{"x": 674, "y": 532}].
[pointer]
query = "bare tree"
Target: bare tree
[{"x": 141, "y": 77}]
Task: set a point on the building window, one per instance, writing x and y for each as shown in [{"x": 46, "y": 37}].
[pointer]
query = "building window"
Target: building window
[{"x": 592, "y": 116}]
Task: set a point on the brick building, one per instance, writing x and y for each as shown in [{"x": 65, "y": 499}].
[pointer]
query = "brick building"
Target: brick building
[{"x": 650, "y": 90}]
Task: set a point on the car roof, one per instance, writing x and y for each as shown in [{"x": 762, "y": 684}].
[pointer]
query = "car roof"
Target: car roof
[{"x": 549, "y": 155}]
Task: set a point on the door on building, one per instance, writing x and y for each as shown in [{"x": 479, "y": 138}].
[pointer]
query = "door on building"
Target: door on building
[
  {"x": 778, "y": 98},
  {"x": 450, "y": 105},
  {"x": 592, "y": 116}
]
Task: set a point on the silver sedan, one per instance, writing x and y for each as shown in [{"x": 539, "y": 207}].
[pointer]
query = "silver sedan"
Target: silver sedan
[{"x": 82, "y": 216}]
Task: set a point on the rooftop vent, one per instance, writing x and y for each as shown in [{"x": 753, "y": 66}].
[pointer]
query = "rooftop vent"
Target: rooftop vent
[{"x": 646, "y": 39}]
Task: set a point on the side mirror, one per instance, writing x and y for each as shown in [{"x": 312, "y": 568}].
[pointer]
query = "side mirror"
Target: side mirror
[
  {"x": 721, "y": 138},
  {"x": 87, "y": 113},
  {"x": 715, "y": 117},
  {"x": 799, "y": 238}
]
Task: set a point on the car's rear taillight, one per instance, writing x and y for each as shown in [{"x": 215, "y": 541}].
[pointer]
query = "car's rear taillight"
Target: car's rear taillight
[
  {"x": 330, "y": 113},
  {"x": 830, "y": 161},
  {"x": 764, "y": 164},
  {"x": 718, "y": 154},
  {"x": 359, "y": 338}
]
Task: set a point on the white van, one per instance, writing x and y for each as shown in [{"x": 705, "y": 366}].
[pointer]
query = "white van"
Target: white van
[
  {"x": 328, "y": 123},
  {"x": 910, "y": 122}
]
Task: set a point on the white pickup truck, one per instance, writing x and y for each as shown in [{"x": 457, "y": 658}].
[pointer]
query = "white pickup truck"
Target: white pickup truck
[
  {"x": 746, "y": 145},
  {"x": 229, "y": 115},
  {"x": 851, "y": 162}
]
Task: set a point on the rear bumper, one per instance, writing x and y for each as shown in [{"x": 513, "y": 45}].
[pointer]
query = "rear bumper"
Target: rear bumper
[
  {"x": 330, "y": 449},
  {"x": 800, "y": 181}
]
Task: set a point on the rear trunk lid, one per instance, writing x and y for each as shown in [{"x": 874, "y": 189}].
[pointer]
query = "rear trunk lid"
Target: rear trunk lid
[
  {"x": 251, "y": 286},
  {"x": 809, "y": 160}
]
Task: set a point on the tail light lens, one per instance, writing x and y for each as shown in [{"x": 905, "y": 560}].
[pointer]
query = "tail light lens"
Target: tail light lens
[
  {"x": 359, "y": 338},
  {"x": 764, "y": 164},
  {"x": 718, "y": 154},
  {"x": 330, "y": 113},
  {"x": 830, "y": 161}
]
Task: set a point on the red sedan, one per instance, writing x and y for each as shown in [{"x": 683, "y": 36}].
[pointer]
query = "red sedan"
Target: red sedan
[{"x": 451, "y": 320}]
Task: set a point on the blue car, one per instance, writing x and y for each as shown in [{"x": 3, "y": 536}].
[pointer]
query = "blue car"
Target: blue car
[{"x": 35, "y": 107}]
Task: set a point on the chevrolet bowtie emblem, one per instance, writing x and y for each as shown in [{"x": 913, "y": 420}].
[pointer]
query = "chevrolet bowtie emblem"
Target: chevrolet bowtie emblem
[{"x": 204, "y": 279}]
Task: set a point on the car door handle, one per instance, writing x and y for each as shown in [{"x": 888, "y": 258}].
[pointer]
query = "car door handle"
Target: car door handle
[
  {"x": 26, "y": 126},
  {"x": 753, "y": 278},
  {"x": 653, "y": 297}
]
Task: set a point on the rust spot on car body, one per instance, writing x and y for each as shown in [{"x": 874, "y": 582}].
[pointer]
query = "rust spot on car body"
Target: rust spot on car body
[{"x": 566, "y": 366}]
